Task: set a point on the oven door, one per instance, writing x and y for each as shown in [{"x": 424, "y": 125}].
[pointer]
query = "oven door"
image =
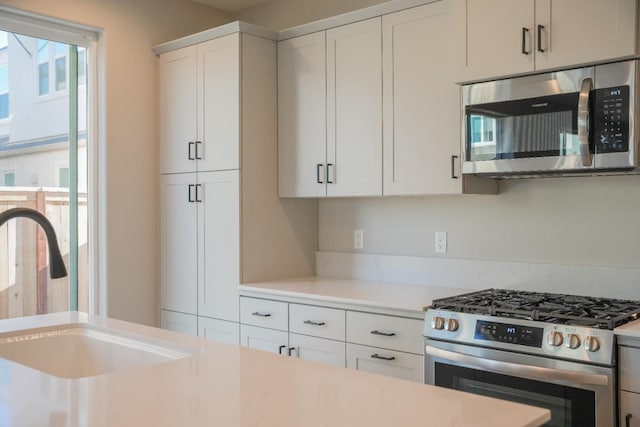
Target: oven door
[{"x": 576, "y": 394}]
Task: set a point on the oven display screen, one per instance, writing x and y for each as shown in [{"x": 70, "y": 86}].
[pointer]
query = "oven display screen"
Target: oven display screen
[{"x": 512, "y": 334}]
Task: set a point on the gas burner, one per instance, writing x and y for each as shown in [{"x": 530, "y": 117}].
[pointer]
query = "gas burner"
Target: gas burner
[{"x": 602, "y": 313}]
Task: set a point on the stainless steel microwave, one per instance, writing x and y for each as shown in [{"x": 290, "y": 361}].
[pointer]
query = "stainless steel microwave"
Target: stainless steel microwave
[{"x": 578, "y": 121}]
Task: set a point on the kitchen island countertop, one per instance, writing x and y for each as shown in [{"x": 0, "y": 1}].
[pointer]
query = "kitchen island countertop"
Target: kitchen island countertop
[{"x": 228, "y": 385}]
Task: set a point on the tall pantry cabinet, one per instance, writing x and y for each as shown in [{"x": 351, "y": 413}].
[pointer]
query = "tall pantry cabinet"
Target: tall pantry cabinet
[{"x": 221, "y": 222}]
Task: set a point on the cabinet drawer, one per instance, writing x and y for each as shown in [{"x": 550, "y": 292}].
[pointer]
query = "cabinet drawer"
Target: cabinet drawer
[
  {"x": 317, "y": 321},
  {"x": 629, "y": 359},
  {"x": 179, "y": 322},
  {"x": 264, "y": 339},
  {"x": 218, "y": 330},
  {"x": 264, "y": 313},
  {"x": 386, "y": 362},
  {"x": 629, "y": 405},
  {"x": 377, "y": 330}
]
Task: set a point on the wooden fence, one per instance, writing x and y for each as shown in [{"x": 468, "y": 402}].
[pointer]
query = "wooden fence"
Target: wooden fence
[{"x": 25, "y": 286}]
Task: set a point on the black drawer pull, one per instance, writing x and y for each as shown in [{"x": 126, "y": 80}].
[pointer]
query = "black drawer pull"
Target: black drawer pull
[
  {"x": 525, "y": 31},
  {"x": 257, "y": 313},
  {"x": 384, "y": 334},
  {"x": 282, "y": 347},
  {"x": 540, "y": 28},
  {"x": 453, "y": 167},
  {"x": 291, "y": 349},
  {"x": 189, "y": 155},
  {"x": 318, "y": 169},
  {"x": 311, "y": 322},
  {"x": 198, "y": 143},
  {"x": 627, "y": 420},
  {"x": 377, "y": 356}
]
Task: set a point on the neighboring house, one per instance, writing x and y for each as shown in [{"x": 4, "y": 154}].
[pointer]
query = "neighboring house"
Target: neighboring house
[{"x": 34, "y": 113}]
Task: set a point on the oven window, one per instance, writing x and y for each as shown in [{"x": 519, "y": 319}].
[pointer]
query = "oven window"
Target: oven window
[{"x": 569, "y": 406}]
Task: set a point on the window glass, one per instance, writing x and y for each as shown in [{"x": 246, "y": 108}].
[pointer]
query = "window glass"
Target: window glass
[
  {"x": 82, "y": 66},
  {"x": 43, "y": 50},
  {"x": 63, "y": 177},
  {"x": 9, "y": 179},
  {"x": 61, "y": 74},
  {"x": 4, "y": 41},
  {"x": 4, "y": 91},
  {"x": 43, "y": 79}
]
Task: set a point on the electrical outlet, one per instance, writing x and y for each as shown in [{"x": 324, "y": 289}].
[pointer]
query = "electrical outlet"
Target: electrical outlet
[
  {"x": 358, "y": 239},
  {"x": 441, "y": 242}
]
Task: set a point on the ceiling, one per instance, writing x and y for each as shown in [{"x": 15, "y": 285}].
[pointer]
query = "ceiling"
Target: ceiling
[{"x": 231, "y": 6}]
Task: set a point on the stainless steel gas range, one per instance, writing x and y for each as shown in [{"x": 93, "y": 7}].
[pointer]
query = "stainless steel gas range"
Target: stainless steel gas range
[{"x": 549, "y": 350}]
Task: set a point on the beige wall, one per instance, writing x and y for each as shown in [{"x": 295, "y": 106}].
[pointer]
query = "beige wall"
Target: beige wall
[{"x": 131, "y": 28}]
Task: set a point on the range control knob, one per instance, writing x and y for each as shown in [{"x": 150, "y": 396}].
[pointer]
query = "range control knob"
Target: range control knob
[
  {"x": 451, "y": 325},
  {"x": 555, "y": 338},
  {"x": 437, "y": 322},
  {"x": 573, "y": 341},
  {"x": 591, "y": 343}
]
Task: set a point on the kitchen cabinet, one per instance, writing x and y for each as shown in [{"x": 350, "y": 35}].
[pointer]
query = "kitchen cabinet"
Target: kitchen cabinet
[
  {"x": 421, "y": 115},
  {"x": 505, "y": 37},
  {"x": 629, "y": 378},
  {"x": 385, "y": 362},
  {"x": 179, "y": 322},
  {"x": 199, "y": 106},
  {"x": 330, "y": 112},
  {"x": 221, "y": 221}
]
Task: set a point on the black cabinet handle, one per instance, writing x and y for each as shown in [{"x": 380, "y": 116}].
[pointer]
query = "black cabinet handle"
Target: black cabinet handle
[
  {"x": 257, "y": 313},
  {"x": 318, "y": 169},
  {"x": 384, "y": 334},
  {"x": 191, "y": 199},
  {"x": 540, "y": 28},
  {"x": 328, "y": 174},
  {"x": 291, "y": 350},
  {"x": 198, "y": 199},
  {"x": 311, "y": 322},
  {"x": 282, "y": 347},
  {"x": 453, "y": 167},
  {"x": 377, "y": 356},
  {"x": 525, "y": 31},
  {"x": 627, "y": 420},
  {"x": 198, "y": 143},
  {"x": 190, "y": 150}
]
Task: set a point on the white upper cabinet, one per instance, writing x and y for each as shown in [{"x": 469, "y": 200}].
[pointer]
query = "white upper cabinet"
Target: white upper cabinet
[
  {"x": 200, "y": 107},
  {"x": 302, "y": 132},
  {"x": 505, "y": 37},
  {"x": 354, "y": 110},
  {"x": 330, "y": 112},
  {"x": 421, "y": 103}
]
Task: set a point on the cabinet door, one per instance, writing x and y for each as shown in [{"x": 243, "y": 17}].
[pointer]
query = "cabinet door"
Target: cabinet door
[
  {"x": 218, "y": 244},
  {"x": 421, "y": 103},
  {"x": 218, "y": 145},
  {"x": 264, "y": 339},
  {"x": 629, "y": 407},
  {"x": 318, "y": 349},
  {"x": 179, "y": 322},
  {"x": 302, "y": 135},
  {"x": 496, "y": 32},
  {"x": 385, "y": 362},
  {"x": 219, "y": 330},
  {"x": 580, "y": 31},
  {"x": 354, "y": 109},
  {"x": 177, "y": 110},
  {"x": 178, "y": 243}
]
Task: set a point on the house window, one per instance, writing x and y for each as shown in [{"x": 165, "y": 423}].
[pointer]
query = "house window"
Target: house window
[
  {"x": 9, "y": 179},
  {"x": 60, "y": 53},
  {"x": 52, "y": 66},
  {"x": 4, "y": 42},
  {"x": 4, "y": 91},
  {"x": 63, "y": 177},
  {"x": 43, "y": 67}
]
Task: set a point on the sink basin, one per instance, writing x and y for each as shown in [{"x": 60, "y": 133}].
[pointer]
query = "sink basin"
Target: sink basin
[{"x": 78, "y": 351}]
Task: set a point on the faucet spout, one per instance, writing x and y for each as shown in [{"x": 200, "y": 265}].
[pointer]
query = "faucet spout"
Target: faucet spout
[{"x": 56, "y": 264}]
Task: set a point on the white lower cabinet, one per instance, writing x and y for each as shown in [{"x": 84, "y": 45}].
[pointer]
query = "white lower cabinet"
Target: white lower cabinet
[
  {"x": 629, "y": 409},
  {"x": 379, "y": 343},
  {"x": 218, "y": 330},
  {"x": 179, "y": 322},
  {"x": 392, "y": 363},
  {"x": 629, "y": 382}
]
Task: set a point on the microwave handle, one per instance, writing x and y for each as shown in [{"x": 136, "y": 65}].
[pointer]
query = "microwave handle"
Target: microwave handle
[{"x": 583, "y": 121}]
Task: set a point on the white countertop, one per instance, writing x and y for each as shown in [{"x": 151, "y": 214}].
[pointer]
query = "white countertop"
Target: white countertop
[
  {"x": 227, "y": 385},
  {"x": 355, "y": 292}
]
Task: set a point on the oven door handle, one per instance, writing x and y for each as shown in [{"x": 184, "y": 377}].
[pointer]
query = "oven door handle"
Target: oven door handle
[
  {"x": 516, "y": 370},
  {"x": 583, "y": 121}
]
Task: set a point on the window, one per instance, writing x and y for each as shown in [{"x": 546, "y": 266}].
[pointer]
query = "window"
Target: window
[
  {"x": 63, "y": 177},
  {"x": 4, "y": 91},
  {"x": 43, "y": 67},
  {"x": 52, "y": 66},
  {"x": 4, "y": 41},
  {"x": 60, "y": 53},
  {"x": 9, "y": 179}
]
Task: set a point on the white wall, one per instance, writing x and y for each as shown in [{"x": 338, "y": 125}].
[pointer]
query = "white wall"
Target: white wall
[{"x": 131, "y": 28}]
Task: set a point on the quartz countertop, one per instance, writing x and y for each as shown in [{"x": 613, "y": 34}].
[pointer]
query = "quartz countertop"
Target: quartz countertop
[
  {"x": 355, "y": 292},
  {"x": 227, "y": 385},
  {"x": 630, "y": 330}
]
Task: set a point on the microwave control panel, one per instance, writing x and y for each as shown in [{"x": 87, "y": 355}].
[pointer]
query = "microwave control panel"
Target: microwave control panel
[{"x": 611, "y": 119}]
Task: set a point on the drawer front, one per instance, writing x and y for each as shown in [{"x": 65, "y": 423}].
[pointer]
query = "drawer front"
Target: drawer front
[
  {"x": 629, "y": 365},
  {"x": 219, "y": 330},
  {"x": 629, "y": 409},
  {"x": 264, "y": 313},
  {"x": 318, "y": 349},
  {"x": 317, "y": 321},
  {"x": 395, "y": 333},
  {"x": 179, "y": 322},
  {"x": 391, "y": 363}
]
